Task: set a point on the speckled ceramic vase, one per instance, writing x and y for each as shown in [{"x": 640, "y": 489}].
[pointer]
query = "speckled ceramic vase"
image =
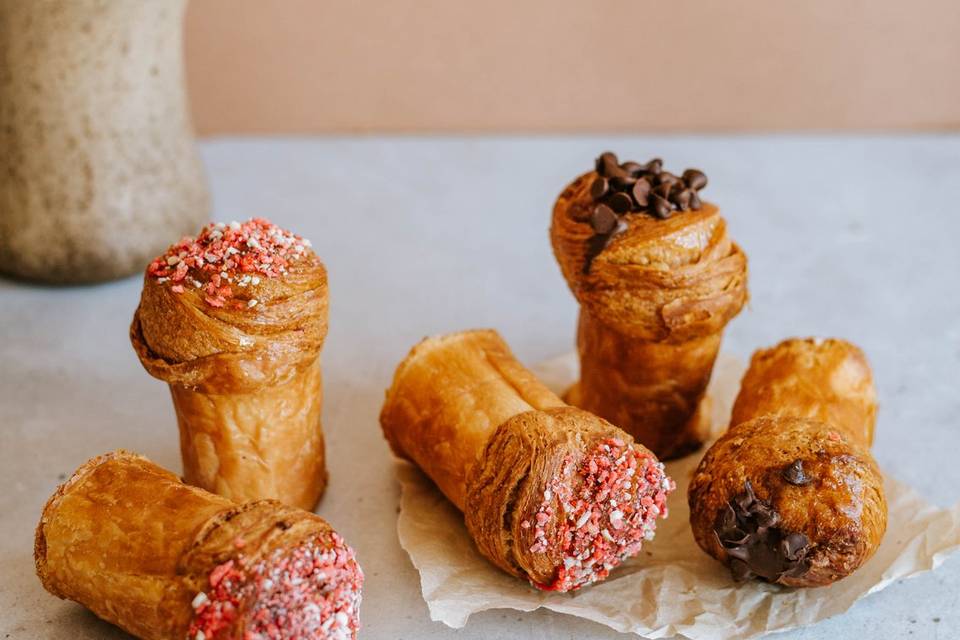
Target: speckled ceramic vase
[{"x": 98, "y": 170}]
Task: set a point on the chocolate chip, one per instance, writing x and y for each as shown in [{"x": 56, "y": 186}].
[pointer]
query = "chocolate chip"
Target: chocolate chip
[
  {"x": 681, "y": 198},
  {"x": 794, "y": 474},
  {"x": 662, "y": 190},
  {"x": 633, "y": 168},
  {"x": 606, "y": 163},
  {"x": 623, "y": 182},
  {"x": 695, "y": 203},
  {"x": 654, "y": 166},
  {"x": 695, "y": 179},
  {"x": 615, "y": 172},
  {"x": 667, "y": 178},
  {"x": 620, "y": 203},
  {"x": 603, "y": 220},
  {"x": 660, "y": 206},
  {"x": 599, "y": 188},
  {"x": 641, "y": 191}
]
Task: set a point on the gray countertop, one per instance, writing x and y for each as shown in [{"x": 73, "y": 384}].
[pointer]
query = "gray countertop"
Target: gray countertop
[{"x": 847, "y": 236}]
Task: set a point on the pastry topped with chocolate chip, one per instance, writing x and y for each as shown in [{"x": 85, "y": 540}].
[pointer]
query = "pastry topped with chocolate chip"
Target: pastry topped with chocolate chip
[
  {"x": 790, "y": 494},
  {"x": 658, "y": 277},
  {"x": 617, "y": 196}
]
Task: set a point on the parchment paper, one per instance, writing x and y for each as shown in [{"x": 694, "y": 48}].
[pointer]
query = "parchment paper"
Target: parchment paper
[{"x": 672, "y": 587}]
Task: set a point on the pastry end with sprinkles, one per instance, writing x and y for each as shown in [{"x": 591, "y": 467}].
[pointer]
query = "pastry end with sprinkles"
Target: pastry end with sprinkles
[
  {"x": 309, "y": 591},
  {"x": 597, "y": 513}
]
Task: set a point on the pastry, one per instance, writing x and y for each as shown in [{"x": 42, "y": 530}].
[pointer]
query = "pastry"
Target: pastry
[
  {"x": 790, "y": 494},
  {"x": 657, "y": 278},
  {"x": 826, "y": 380},
  {"x": 551, "y": 494},
  {"x": 234, "y": 320},
  {"x": 164, "y": 560}
]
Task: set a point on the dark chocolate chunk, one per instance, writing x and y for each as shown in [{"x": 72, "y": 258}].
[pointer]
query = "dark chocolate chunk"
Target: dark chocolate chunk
[
  {"x": 606, "y": 163},
  {"x": 667, "y": 178},
  {"x": 695, "y": 203},
  {"x": 695, "y": 179},
  {"x": 662, "y": 190},
  {"x": 681, "y": 198},
  {"x": 641, "y": 192},
  {"x": 624, "y": 182},
  {"x": 621, "y": 203},
  {"x": 599, "y": 188},
  {"x": 603, "y": 220},
  {"x": 660, "y": 206},
  {"x": 749, "y": 531},
  {"x": 794, "y": 474},
  {"x": 654, "y": 166}
]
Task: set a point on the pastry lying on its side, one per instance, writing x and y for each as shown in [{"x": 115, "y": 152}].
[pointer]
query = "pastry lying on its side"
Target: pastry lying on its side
[
  {"x": 234, "y": 320},
  {"x": 551, "y": 494},
  {"x": 658, "y": 278},
  {"x": 790, "y": 494},
  {"x": 164, "y": 560}
]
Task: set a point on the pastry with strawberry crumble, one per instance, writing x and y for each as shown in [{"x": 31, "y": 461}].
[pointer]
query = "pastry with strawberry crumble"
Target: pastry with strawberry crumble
[
  {"x": 551, "y": 494},
  {"x": 164, "y": 560},
  {"x": 233, "y": 320}
]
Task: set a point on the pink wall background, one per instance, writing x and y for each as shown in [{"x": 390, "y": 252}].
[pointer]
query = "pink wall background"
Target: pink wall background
[{"x": 318, "y": 66}]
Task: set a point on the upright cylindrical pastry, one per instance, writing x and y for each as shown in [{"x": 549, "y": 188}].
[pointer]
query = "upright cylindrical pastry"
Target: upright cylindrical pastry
[
  {"x": 162, "y": 559},
  {"x": 658, "y": 278},
  {"x": 550, "y": 493},
  {"x": 790, "y": 494},
  {"x": 234, "y": 320}
]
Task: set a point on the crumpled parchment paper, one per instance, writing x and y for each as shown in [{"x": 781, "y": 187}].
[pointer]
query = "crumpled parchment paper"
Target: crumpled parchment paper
[{"x": 671, "y": 587}]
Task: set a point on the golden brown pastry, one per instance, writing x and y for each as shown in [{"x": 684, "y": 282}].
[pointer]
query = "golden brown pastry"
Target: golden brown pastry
[
  {"x": 164, "y": 560},
  {"x": 550, "y": 493},
  {"x": 658, "y": 278},
  {"x": 826, "y": 380},
  {"x": 791, "y": 494},
  {"x": 234, "y": 321}
]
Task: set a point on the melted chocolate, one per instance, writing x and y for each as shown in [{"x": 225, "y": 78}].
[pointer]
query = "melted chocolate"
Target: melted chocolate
[{"x": 749, "y": 530}]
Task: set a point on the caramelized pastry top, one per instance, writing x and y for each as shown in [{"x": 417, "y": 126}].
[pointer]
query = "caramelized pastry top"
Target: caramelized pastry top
[{"x": 654, "y": 279}]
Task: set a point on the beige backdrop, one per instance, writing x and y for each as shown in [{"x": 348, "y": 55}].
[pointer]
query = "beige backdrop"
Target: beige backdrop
[{"x": 293, "y": 66}]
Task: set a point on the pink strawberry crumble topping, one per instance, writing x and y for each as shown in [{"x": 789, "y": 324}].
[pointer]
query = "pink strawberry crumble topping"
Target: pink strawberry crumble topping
[
  {"x": 598, "y": 513},
  {"x": 226, "y": 257},
  {"x": 310, "y": 592}
]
